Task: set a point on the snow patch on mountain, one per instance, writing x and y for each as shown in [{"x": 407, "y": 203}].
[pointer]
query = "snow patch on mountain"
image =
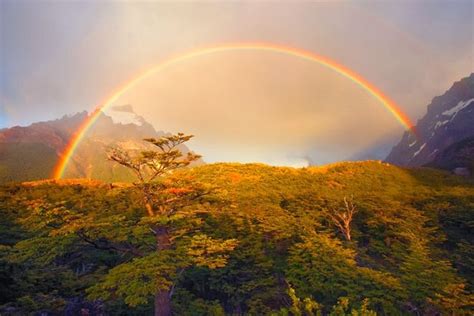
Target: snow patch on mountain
[
  {"x": 454, "y": 110},
  {"x": 440, "y": 123},
  {"x": 419, "y": 150},
  {"x": 123, "y": 116},
  {"x": 448, "y": 120},
  {"x": 434, "y": 152}
]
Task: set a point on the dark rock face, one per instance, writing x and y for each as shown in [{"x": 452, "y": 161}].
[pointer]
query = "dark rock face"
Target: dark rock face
[
  {"x": 459, "y": 158},
  {"x": 449, "y": 120}
]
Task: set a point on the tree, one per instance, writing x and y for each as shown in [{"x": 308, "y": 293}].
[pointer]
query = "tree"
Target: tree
[
  {"x": 64, "y": 239},
  {"x": 343, "y": 218},
  {"x": 299, "y": 307},
  {"x": 151, "y": 164},
  {"x": 321, "y": 268},
  {"x": 140, "y": 250},
  {"x": 163, "y": 204},
  {"x": 432, "y": 284}
]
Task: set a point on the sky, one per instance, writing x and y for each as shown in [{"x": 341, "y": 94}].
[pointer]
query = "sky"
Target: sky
[{"x": 62, "y": 57}]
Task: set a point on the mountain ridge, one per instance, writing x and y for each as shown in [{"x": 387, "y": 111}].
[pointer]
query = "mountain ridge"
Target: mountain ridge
[
  {"x": 31, "y": 152},
  {"x": 448, "y": 120}
]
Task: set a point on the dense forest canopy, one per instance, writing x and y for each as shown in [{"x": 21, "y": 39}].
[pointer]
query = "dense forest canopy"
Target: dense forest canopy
[{"x": 262, "y": 240}]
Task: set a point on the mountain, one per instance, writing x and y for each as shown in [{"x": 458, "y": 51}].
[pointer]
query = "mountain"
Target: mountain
[
  {"x": 28, "y": 153},
  {"x": 448, "y": 121},
  {"x": 456, "y": 157},
  {"x": 31, "y": 152}
]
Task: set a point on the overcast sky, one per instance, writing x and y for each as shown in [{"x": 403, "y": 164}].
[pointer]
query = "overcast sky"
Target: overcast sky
[{"x": 61, "y": 57}]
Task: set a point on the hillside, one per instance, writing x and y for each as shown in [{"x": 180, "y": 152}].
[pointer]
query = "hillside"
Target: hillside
[
  {"x": 31, "y": 152},
  {"x": 449, "y": 120},
  {"x": 411, "y": 250}
]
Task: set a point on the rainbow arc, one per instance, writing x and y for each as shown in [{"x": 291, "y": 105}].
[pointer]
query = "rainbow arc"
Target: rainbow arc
[{"x": 384, "y": 100}]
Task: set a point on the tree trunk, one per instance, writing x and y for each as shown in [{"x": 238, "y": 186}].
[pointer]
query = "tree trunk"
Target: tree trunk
[
  {"x": 162, "y": 298},
  {"x": 163, "y": 303},
  {"x": 163, "y": 241},
  {"x": 149, "y": 209},
  {"x": 148, "y": 199}
]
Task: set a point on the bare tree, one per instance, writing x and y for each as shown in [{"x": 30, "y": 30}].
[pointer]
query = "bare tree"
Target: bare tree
[{"x": 343, "y": 217}]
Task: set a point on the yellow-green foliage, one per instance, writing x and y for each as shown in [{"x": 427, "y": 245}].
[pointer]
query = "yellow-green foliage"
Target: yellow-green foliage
[{"x": 259, "y": 242}]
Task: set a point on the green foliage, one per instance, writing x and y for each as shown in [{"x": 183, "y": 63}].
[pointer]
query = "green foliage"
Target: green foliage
[
  {"x": 320, "y": 267},
  {"x": 305, "y": 307},
  {"x": 187, "y": 304},
  {"x": 25, "y": 161},
  {"x": 237, "y": 236},
  {"x": 342, "y": 309},
  {"x": 432, "y": 281},
  {"x": 207, "y": 252},
  {"x": 137, "y": 281}
]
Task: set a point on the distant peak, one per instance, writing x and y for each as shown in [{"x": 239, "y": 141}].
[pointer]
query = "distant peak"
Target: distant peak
[
  {"x": 124, "y": 114},
  {"x": 75, "y": 116},
  {"x": 447, "y": 121}
]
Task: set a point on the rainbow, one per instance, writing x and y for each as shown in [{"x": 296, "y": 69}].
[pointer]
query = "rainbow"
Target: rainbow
[{"x": 76, "y": 138}]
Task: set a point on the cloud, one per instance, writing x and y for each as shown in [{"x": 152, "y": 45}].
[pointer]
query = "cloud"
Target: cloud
[
  {"x": 262, "y": 106},
  {"x": 294, "y": 162},
  {"x": 127, "y": 108},
  {"x": 66, "y": 57}
]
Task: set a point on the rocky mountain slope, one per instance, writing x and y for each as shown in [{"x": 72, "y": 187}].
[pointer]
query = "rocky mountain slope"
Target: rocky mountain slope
[
  {"x": 448, "y": 121},
  {"x": 31, "y": 152},
  {"x": 457, "y": 157}
]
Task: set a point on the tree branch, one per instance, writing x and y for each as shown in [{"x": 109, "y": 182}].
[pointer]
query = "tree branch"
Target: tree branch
[{"x": 130, "y": 249}]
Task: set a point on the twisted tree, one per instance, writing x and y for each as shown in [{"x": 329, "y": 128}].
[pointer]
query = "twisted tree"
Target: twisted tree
[{"x": 166, "y": 205}]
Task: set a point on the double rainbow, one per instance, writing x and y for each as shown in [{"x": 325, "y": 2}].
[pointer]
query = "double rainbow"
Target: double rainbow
[{"x": 75, "y": 140}]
